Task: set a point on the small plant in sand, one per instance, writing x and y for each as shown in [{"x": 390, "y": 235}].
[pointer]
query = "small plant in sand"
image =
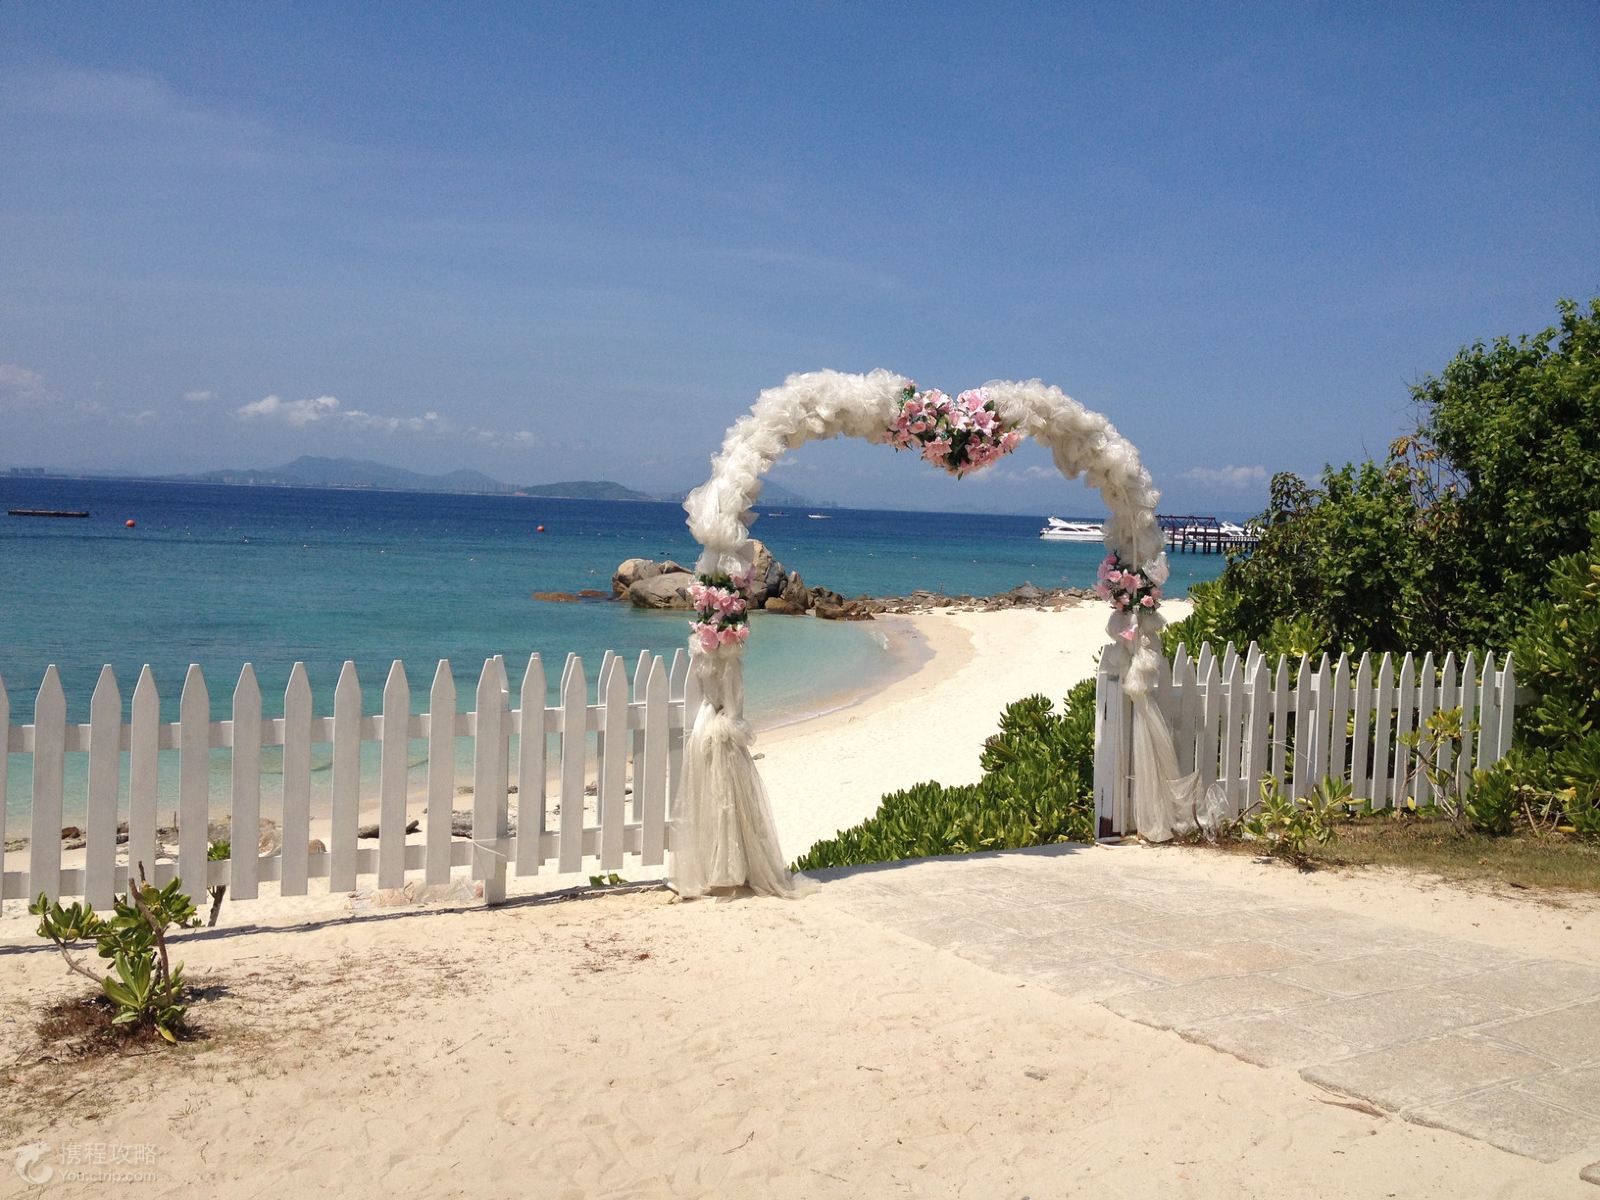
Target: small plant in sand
[
  {"x": 1437, "y": 745},
  {"x": 146, "y": 990},
  {"x": 217, "y": 852},
  {"x": 1287, "y": 826}
]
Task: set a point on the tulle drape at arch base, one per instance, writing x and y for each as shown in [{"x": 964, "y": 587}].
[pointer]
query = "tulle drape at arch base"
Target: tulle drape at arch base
[{"x": 724, "y": 833}]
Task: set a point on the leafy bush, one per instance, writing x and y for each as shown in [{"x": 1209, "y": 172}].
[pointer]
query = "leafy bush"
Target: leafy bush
[
  {"x": 1037, "y": 790},
  {"x": 145, "y": 988},
  {"x": 1289, "y": 827},
  {"x": 1557, "y": 653}
]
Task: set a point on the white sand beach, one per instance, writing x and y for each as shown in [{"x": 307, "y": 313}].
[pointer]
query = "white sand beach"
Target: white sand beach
[
  {"x": 633, "y": 1045},
  {"x": 931, "y": 724}
]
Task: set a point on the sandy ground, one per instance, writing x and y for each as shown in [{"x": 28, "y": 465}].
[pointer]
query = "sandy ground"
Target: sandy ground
[
  {"x": 631, "y": 1045},
  {"x": 930, "y": 725}
]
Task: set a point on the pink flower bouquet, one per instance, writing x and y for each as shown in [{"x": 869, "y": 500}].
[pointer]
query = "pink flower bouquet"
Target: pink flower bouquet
[
  {"x": 722, "y": 614},
  {"x": 960, "y": 435}
]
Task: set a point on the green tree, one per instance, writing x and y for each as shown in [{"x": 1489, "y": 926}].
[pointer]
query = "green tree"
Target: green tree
[
  {"x": 1450, "y": 541},
  {"x": 1337, "y": 567},
  {"x": 1505, "y": 464}
]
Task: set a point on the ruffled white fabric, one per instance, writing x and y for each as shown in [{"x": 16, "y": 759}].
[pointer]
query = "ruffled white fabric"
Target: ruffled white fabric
[
  {"x": 729, "y": 837},
  {"x": 726, "y": 833}
]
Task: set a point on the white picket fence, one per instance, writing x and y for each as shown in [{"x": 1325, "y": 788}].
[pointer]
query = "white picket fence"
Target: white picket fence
[
  {"x": 1236, "y": 718},
  {"x": 638, "y": 740}
]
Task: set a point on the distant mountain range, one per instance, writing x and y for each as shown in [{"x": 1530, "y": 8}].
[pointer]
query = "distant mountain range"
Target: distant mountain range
[{"x": 311, "y": 470}]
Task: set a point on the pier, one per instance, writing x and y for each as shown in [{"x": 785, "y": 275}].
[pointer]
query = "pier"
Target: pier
[{"x": 1190, "y": 534}]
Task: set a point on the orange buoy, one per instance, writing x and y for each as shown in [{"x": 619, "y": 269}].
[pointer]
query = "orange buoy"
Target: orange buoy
[
  {"x": 540, "y": 529},
  {"x": 130, "y": 522}
]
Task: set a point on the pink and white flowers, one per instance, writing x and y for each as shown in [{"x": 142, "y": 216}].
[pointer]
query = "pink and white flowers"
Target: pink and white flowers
[
  {"x": 961, "y": 435},
  {"x": 1128, "y": 590},
  {"x": 723, "y": 615}
]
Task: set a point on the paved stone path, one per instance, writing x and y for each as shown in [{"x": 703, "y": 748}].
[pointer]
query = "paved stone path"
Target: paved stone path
[{"x": 1442, "y": 1031}]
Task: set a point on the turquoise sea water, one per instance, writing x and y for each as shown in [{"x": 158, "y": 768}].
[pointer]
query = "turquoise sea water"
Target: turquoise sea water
[{"x": 221, "y": 576}]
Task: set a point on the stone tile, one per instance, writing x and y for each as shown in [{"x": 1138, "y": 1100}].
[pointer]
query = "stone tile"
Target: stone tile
[
  {"x": 1091, "y": 980},
  {"x": 1579, "y": 1089},
  {"x": 1427, "y": 1072},
  {"x": 1514, "y": 1121},
  {"x": 1133, "y": 914},
  {"x": 1339, "y": 938},
  {"x": 1212, "y": 962},
  {"x": 1537, "y": 985},
  {"x": 1189, "y": 1005},
  {"x": 1364, "y": 1023},
  {"x": 1039, "y": 921},
  {"x": 1369, "y": 973},
  {"x": 1269, "y": 1040},
  {"x": 1476, "y": 955},
  {"x": 951, "y": 932},
  {"x": 1569, "y": 1037},
  {"x": 1179, "y": 933}
]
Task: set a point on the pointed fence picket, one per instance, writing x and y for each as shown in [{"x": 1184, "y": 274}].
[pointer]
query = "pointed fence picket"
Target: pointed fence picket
[
  {"x": 1236, "y": 718},
  {"x": 629, "y": 739}
]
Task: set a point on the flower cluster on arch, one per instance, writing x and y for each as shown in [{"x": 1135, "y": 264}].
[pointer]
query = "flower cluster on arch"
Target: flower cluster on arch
[
  {"x": 722, "y": 615},
  {"x": 961, "y": 435},
  {"x": 1128, "y": 589}
]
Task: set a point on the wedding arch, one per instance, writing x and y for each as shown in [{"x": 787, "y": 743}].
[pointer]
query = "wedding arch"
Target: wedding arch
[{"x": 726, "y": 834}]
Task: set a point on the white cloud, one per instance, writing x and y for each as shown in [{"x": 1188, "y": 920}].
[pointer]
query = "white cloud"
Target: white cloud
[
  {"x": 19, "y": 386},
  {"x": 1228, "y": 477},
  {"x": 430, "y": 422},
  {"x": 199, "y": 397},
  {"x": 326, "y": 412},
  {"x": 521, "y": 439},
  {"x": 298, "y": 413}
]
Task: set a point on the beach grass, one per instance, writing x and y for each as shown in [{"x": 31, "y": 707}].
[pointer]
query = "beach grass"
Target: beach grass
[{"x": 1431, "y": 845}]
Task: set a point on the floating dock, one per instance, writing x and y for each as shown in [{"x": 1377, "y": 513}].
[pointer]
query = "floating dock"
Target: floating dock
[
  {"x": 1204, "y": 535},
  {"x": 44, "y": 512}
]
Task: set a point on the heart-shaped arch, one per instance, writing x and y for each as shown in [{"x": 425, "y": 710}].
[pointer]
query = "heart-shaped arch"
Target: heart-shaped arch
[{"x": 725, "y": 835}]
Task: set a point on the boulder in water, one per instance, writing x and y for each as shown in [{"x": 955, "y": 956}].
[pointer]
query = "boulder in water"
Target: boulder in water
[{"x": 662, "y": 591}]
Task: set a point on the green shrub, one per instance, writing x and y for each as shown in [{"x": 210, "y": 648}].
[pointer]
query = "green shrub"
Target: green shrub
[
  {"x": 1557, "y": 654},
  {"x": 1289, "y": 827},
  {"x": 145, "y": 987},
  {"x": 1037, "y": 790}
]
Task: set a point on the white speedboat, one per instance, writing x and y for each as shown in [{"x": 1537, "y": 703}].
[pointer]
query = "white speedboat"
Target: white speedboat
[{"x": 1057, "y": 530}]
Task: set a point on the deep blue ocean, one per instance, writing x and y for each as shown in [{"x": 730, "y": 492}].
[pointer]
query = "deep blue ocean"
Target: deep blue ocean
[{"x": 220, "y": 576}]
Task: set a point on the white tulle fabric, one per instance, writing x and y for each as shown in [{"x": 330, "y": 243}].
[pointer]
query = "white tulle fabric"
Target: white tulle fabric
[{"x": 726, "y": 837}]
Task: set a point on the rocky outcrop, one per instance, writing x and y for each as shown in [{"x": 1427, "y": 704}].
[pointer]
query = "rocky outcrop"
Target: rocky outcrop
[
  {"x": 636, "y": 569},
  {"x": 775, "y": 589},
  {"x": 573, "y": 597},
  {"x": 661, "y": 591}
]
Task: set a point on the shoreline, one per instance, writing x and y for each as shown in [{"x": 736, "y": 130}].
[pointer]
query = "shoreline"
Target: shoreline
[
  {"x": 908, "y": 650},
  {"x": 930, "y": 723}
]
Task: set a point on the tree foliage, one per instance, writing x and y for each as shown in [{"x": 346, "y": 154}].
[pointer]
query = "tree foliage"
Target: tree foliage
[{"x": 1449, "y": 541}]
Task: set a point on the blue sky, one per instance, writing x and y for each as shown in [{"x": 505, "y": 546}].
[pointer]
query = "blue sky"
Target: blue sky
[{"x": 575, "y": 242}]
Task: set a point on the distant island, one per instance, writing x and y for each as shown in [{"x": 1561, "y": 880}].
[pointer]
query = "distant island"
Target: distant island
[{"x": 310, "y": 470}]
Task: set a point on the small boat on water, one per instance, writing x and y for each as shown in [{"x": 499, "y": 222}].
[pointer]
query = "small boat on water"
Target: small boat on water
[
  {"x": 819, "y": 516},
  {"x": 1057, "y": 530},
  {"x": 44, "y": 512}
]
